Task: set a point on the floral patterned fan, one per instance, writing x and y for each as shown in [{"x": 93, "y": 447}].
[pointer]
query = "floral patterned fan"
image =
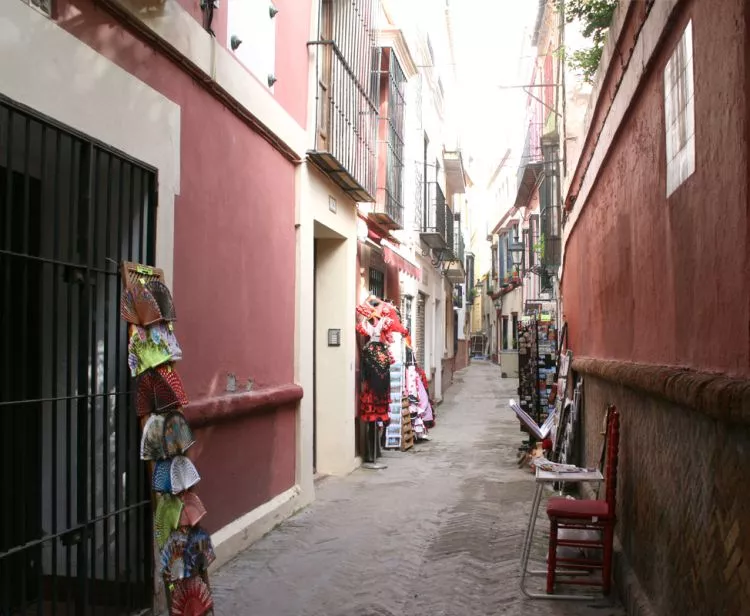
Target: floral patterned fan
[
  {"x": 199, "y": 549},
  {"x": 191, "y": 597},
  {"x": 152, "y": 440},
  {"x": 166, "y": 518},
  {"x": 183, "y": 474},
  {"x": 174, "y": 562},
  {"x": 163, "y": 297},
  {"x": 143, "y": 353},
  {"x": 193, "y": 510},
  {"x": 178, "y": 437}
]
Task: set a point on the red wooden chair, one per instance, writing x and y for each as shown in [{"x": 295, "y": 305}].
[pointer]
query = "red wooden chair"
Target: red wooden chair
[{"x": 587, "y": 515}]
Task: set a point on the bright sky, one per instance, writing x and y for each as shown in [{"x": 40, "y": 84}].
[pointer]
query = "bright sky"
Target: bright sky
[{"x": 492, "y": 41}]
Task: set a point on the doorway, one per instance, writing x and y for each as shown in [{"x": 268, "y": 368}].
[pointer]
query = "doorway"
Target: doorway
[{"x": 75, "y": 530}]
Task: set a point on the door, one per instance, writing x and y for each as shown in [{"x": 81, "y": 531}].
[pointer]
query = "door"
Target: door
[{"x": 75, "y": 526}]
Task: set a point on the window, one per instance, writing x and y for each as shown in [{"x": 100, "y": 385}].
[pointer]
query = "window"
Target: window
[
  {"x": 377, "y": 283},
  {"x": 679, "y": 112},
  {"x": 45, "y": 6},
  {"x": 514, "y": 333},
  {"x": 253, "y": 22},
  {"x": 505, "y": 333}
]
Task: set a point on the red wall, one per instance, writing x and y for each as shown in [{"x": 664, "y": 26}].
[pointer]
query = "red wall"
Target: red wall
[
  {"x": 233, "y": 274},
  {"x": 659, "y": 280}
]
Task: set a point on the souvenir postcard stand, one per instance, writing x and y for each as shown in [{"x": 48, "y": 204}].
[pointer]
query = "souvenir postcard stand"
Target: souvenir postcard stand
[
  {"x": 188, "y": 590},
  {"x": 399, "y": 433}
]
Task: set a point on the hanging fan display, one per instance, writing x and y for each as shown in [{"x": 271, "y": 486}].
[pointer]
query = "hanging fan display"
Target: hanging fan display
[
  {"x": 199, "y": 550},
  {"x": 167, "y": 517},
  {"x": 174, "y": 558},
  {"x": 152, "y": 440},
  {"x": 191, "y": 597},
  {"x": 183, "y": 474},
  {"x": 138, "y": 306},
  {"x": 163, "y": 297},
  {"x": 185, "y": 549},
  {"x": 177, "y": 435},
  {"x": 193, "y": 510},
  {"x": 158, "y": 390}
]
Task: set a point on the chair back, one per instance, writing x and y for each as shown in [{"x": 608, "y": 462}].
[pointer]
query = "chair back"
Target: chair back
[{"x": 613, "y": 450}]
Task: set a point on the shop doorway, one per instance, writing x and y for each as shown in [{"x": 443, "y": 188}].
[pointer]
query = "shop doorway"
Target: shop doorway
[
  {"x": 75, "y": 525},
  {"x": 333, "y": 312}
]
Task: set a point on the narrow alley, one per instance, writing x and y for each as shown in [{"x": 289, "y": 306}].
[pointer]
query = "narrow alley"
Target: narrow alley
[{"x": 436, "y": 533}]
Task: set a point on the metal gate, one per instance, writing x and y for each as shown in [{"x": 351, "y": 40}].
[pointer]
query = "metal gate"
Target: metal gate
[{"x": 75, "y": 517}]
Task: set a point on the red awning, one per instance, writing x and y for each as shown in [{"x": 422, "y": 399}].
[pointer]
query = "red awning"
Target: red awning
[{"x": 393, "y": 258}]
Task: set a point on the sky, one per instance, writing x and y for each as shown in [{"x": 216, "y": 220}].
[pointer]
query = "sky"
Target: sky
[{"x": 492, "y": 40}]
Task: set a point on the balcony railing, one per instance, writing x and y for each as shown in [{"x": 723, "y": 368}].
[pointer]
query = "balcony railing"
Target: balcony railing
[
  {"x": 531, "y": 166},
  {"x": 346, "y": 96},
  {"x": 549, "y": 211},
  {"x": 434, "y": 228},
  {"x": 391, "y": 83}
]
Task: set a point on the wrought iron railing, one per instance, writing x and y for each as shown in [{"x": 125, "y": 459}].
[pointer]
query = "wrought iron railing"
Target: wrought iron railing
[
  {"x": 450, "y": 231},
  {"x": 434, "y": 217},
  {"x": 392, "y": 84},
  {"x": 346, "y": 96},
  {"x": 550, "y": 211},
  {"x": 532, "y": 149}
]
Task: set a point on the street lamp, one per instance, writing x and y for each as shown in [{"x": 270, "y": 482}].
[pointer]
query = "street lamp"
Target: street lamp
[{"x": 516, "y": 250}]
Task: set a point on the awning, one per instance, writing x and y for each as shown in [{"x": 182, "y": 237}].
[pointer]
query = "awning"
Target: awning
[{"x": 391, "y": 257}]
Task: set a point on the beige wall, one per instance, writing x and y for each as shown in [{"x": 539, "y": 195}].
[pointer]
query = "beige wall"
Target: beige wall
[{"x": 336, "y": 296}]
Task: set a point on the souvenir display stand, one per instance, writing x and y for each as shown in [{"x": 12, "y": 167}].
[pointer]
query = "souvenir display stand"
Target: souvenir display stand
[
  {"x": 184, "y": 548},
  {"x": 537, "y": 365},
  {"x": 398, "y": 433}
]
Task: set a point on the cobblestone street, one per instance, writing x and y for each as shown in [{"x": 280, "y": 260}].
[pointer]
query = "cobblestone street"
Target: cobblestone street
[{"x": 436, "y": 533}]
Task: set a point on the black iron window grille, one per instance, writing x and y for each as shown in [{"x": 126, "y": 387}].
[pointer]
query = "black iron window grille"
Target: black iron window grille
[
  {"x": 392, "y": 84},
  {"x": 434, "y": 228},
  {"x": 377, "y": 282},
  {"x": 549, "y": 211},
  {"x": 45, "y": 6},
  {"x": 346, "y": 97},
  {"x": 75, "y": 526}
]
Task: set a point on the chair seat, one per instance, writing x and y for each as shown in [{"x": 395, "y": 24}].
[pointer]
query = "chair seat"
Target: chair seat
[{"x": 578, "y": 509}]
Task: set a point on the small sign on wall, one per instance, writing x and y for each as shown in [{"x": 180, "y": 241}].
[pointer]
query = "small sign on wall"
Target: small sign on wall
[
  {"x": 332, "y": 204},
  {"x": 334, "y": 337}
]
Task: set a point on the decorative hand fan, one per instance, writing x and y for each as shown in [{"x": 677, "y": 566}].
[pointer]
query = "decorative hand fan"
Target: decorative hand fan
[
  {"x": 178, "y": 437},
  {"x": 139, "y": 307},
  {"x": 152, "y": 440},
  {"x": 193, "y": 510},
  {"x": 163, "y": 297},
  {"x": 144, "y": 354},
  {"x": 183, "y": 474},
  {"x": 162, "y": 479},
  {"x": 164, "y": 336},
  {"x": 199, "y": 550},
  {"x": 191, "y": 597},
  {"x": 166, "y": 518},
  {"x": 159, "y": 390},
  {"x": 173, "y": 559}
]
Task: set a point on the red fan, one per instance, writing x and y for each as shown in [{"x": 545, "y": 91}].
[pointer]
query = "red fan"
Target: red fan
[
  {"x": 191, "y": 597},
  {"x": 193, "y": 510},
  {"x": 139, "y": 307},
  {"x": 159, "y": 390}
]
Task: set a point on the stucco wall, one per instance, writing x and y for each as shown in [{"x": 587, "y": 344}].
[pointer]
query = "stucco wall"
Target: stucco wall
[
  {"x": 234, "y": 254},
  {"x": 662, "y": 280}
]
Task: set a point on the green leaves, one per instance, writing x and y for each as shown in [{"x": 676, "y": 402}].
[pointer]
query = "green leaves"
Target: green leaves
[{"x": 595, "y": 17}]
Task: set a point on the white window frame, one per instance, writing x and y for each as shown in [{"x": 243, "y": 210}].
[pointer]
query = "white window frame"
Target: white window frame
[
  {"x": 679, "y": 112},
  {"x": 43, "y": 6}
]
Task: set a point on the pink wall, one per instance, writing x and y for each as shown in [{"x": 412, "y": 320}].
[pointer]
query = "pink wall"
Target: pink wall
[
  {"x": 233, "y": 275},
  {"x": 659, "y": 280}
]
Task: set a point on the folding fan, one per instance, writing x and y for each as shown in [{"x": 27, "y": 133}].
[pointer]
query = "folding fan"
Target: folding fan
[
  {"x": 163, "y": 297},
  {"x": 199, "y": 550},
  {"x": 178, "y": 437},
  {"x": 139, "y": 307},
  {"x": 193, "y": 510},
  {"x": 152, "y": 440},
  {"x": 183, "y": 474},
  {"x": 166, "y": 517},
  {"x": 191, "y": 597},
  {"x": 162, "y": 479},
  {"x": 158, "y": 390},
  {"x": 163, "y": 335},
  {"x": 173, "y": 558}
]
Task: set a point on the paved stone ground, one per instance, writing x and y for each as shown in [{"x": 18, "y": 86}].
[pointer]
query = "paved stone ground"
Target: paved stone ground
[{"x": 437, "y": 533}]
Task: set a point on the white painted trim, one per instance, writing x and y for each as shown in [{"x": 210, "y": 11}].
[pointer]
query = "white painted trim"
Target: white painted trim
[
  {"x": 173, "y": 24},
  {"x": 394, "y": 38},
  {"x": 639, "y": 65},
  {"x": 82, "y": 89},
  {"x": 249, "y": 528}
]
